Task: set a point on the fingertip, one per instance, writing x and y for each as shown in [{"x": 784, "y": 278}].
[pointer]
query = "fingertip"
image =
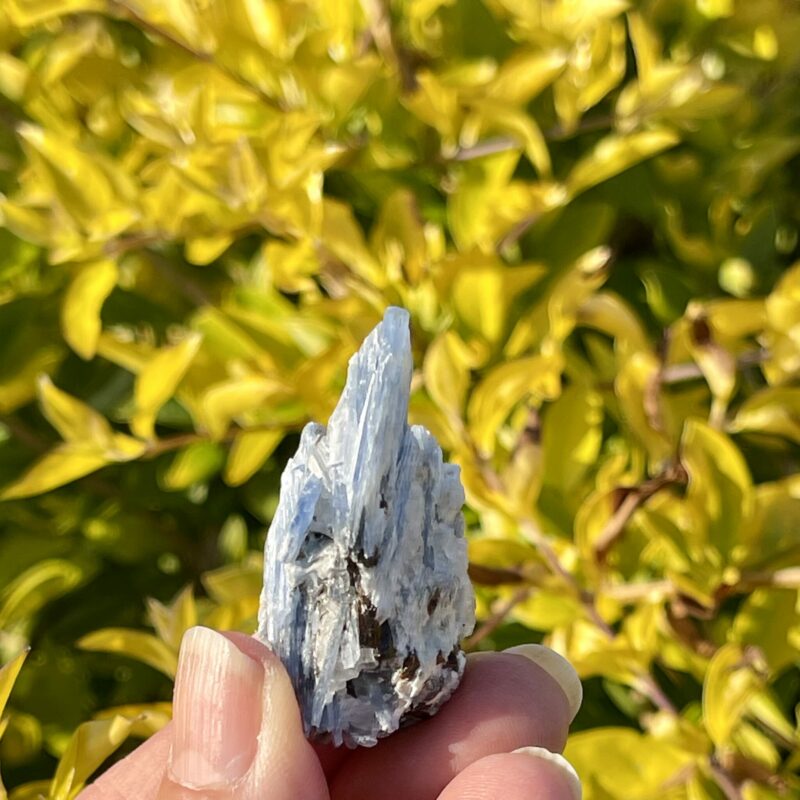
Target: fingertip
[
  {"x": 558, "y": 668},
  {"x": 523, "y": 775}
]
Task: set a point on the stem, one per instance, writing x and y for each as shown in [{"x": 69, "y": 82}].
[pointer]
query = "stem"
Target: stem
[
  {"x": 385, "y": 38},
  {"x": 497, "y": 618},
  {"x": 681, "y": 373},
  {"x": 674, "y": 474}
]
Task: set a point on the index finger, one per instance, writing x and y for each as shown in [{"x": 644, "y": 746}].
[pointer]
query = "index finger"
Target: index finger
[{"x": 505, "y": 702}]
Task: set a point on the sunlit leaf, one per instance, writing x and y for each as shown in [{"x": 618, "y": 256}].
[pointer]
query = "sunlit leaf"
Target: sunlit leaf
[
  {"x": 729, "y": 684},
  {"x": 62, "y": 465},
  {"x": 615, "y": 757},
  {"x": 80, "y": 313},
  {"x": 196, "y": 463},
  {"x": 89, "y": 747},
  {"x": 249, "y": 451},
  {"x": 173, "y": 620},
  {"x": 159, "y": 379},
  {"x": 73, "y": 419},
  {"x": 615, "y": 154},
  {"x": 8, "y": 674},
  {"x": 39, "y": 584},
  {"x": 134, "y": 644}
]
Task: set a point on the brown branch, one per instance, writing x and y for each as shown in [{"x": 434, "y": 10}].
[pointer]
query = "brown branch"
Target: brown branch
[
  {"x": 502, "y": 144},
  {"x": 496, "y": 619},
  {"x": 511, "y": 237},
  {"x": 180, "y": 440},
  {"x": 633, "y": 500},
  {"x": 724, "y": 780},
  {"x": 392, "y": 51},
  {"x": 681, "y": 373}
]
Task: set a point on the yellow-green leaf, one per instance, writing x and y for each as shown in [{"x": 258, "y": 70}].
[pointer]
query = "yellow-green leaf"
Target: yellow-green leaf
[
  {"x": 616, "y": 153},
  {"x": 229, "y": 400},
  {"x": 535, "y": 378},
  {"x": 72, "y": 418},
  {"x": 62, "y": 465},
  {"x": 729, "y": 684},
  {"x": 83, "y": 301},
  {"x": 35, "y": 587},
  {"x": 626, "y": 763},
  {"x": 173, "y": 620},
  {"x": 135, "y": 644},
  {"x": 773, "y": 410},
  {"x": 8, "y": 674},
  {"x": 249, "y": 451},
  {"x": 158, "y": 381},
  {"x": 446, "y": 373},
  {"x": 194, "y": 464},
  {"x": 145, "y": 718},
  {"x": 91, "y": 744},
  {"x": 720, "y": 487}
]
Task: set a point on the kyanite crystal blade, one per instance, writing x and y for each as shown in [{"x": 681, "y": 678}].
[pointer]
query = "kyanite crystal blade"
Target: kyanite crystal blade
[{"x": 366, "y": 594}]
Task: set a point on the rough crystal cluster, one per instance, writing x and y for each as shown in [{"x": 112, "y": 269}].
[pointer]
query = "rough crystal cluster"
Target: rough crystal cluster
[{"x": 366, "y": 594}]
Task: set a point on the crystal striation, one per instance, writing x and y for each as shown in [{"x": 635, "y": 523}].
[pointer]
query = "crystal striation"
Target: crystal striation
[{"x": 366, "y": 594}]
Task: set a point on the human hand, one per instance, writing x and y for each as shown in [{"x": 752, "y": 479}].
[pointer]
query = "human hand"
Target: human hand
[{"x": 237, "y": 735}]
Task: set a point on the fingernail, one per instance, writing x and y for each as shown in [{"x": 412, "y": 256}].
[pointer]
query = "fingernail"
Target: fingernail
[
  {"x": 558, "y": 668},
  {"x": 542, "y": 753},
  {"x": 217, "y": 711}
]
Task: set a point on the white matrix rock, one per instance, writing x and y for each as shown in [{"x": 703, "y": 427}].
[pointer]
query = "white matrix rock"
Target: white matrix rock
[{"x": 366, "y": 594}]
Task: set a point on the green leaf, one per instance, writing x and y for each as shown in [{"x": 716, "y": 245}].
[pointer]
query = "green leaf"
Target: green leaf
[
  {"x": 173, "y": 620},
  {"x": 83, "y": 301},
  {"x": 625, "y": 763},
  {"x": 8, "y": 674},
  {"x": 134, "y": 644},
  {"x": 729, "y": 685},
  {"x": 571, "y": 437},
  {"x": 158, "y": 381},
  {"x": 249, "y": 452},
  {"x": 62, "y": 465},
  {"x": 37, "y": 586},
  {"x": 224, "y": 402},
  {"x": 73, "y": 419},
  {"x": 773, "y": 410},
  {"x": 616, "y": 153},
  {"x": 720, "y": 488},
  {"x": 194, "y": 464},
  {"x": 91, "y": 744}
]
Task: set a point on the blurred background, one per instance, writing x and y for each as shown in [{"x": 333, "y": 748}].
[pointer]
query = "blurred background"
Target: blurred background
[{"x": 591, "y": 210}]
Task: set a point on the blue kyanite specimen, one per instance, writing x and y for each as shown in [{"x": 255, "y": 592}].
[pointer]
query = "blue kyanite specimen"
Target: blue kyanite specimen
[{"x": 366, "y": 594}]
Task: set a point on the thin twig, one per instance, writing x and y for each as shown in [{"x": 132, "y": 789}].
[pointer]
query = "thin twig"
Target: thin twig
[
  {"x": 634, "y": 499},
  {"x": 180, "y": 440},
  {"x": 385, "y": 38},
  {"x": 502, "y": 144},
  {"x": 681, "y": 373},
  {"x": 724, "y": 780},
  {"x": 496, "y": 619},
  {"x": 510, "y": 238}
]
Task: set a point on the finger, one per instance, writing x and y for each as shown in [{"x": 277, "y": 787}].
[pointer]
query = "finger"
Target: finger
[
  {"x": 136, "y": 777},
  {"x": 505, "y": 701},
  {"x": 529, "y": 774},
  {"x": 237, "y": 733}
]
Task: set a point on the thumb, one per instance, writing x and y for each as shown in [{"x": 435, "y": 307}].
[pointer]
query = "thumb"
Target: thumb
[{"x": 237, "y": 732}]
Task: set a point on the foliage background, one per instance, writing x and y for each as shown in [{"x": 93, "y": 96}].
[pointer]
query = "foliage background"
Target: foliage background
[{"x": 590, "y": 208}]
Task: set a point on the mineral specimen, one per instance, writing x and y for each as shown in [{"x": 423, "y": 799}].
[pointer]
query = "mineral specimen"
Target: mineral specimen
[{"x": 366, "y": 593}]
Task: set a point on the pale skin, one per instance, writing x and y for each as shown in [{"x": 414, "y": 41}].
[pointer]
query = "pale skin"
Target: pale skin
[{"x": 237, "y": 735}]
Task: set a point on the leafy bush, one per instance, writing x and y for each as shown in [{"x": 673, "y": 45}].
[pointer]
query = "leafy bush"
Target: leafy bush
[{"x": 590, "y": 208}]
